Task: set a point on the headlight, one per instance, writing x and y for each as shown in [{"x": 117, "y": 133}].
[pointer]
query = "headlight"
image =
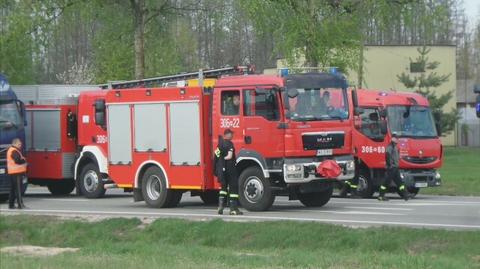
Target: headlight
[
  {"x": 402, "y": 176},
  {"x": 351, "y": 165},
  {"x": 437, "y": 175},
  {"x": 293, "y": 167}
]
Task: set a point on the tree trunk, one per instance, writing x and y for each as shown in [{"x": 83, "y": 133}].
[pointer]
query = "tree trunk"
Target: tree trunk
[{"x": 139, "y": 35}]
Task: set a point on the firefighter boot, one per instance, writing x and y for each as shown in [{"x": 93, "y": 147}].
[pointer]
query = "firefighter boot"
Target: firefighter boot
[
  {"x": 234, "y": 207},
  {"x": 221, "y": 204},
  {"x": 344, "y": 190},
  {"x": 405, "y": 194},
  {"x": 382, "y": 197}
]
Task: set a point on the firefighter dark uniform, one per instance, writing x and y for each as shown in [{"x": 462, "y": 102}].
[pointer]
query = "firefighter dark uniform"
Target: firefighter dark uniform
[
  {"x": 226, "y": 172},
  {"x": 16, "y": 168},
  {"x": 392, "y": 157}
]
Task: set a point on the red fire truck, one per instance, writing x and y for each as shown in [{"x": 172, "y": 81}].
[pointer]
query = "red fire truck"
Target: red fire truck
[
  {"x": 158, "y": 141},
  {"x": 383, "y": 113}
]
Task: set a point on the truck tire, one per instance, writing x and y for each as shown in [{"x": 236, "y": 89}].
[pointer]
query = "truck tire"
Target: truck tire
[
  {"x": 316, "y": 199},
  {"x": 255, "y": 192},
  {"x": 62, "y": 187},
  {"x": 365, "y": 185},
  {"x": 209, "y": 197},
  {"x": 155, "y": 191},
  {"x": 91, "y": 183}
]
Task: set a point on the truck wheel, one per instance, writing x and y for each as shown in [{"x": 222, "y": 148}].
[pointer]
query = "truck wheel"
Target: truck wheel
[
  {"x": 155, "y": 192},
  {"x": 62, "y": 187},
  {"x": 316, "y": 198},
  {"x": 365, "y": 185},
  {"x": 255, "y": 193},
  {"x": 91, "y": 183},
  {"x": 412, "y": 190},
  {"x": 209, "y": 197}
]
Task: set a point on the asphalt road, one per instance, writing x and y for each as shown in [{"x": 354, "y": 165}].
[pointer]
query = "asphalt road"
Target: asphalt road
[{"x": 441, "y": 212}]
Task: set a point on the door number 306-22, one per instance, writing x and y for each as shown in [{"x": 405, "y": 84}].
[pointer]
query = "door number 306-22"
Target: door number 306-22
[{"x": 230, "y": 123}]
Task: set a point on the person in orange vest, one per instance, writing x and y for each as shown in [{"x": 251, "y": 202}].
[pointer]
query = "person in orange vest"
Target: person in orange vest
[{"x": 16, "y": 169}]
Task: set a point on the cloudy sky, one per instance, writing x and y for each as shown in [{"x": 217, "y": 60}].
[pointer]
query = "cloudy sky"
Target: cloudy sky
[{"x": 472, "y": 9}]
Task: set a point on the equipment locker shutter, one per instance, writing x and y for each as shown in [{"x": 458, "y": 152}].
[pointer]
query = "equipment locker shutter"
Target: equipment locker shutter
[
  {"x": 185, "y": 133},
  {"x": 150, "y": 127},
  {"x": 119, "y": 134},
  {"x": 46, "y": 130}
]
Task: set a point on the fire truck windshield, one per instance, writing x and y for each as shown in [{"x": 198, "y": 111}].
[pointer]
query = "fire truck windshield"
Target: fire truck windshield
[
  {"x": 10, "y": 116},
  {"x": 312, "y": 104},
  {"x": 411, "y": 121}
]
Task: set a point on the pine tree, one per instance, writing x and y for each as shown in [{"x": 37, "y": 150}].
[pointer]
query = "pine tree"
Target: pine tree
[{"x": 425, "y": 83}]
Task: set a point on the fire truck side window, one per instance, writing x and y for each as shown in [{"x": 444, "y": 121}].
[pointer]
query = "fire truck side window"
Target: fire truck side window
[
  {"x": 230, "y": 103},
  {"x": 262, "y": 103},
  {"x": 370, "y": 125}
]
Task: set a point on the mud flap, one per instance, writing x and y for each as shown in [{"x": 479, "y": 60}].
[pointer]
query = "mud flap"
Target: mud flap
[{"x": 137, "y": 195}]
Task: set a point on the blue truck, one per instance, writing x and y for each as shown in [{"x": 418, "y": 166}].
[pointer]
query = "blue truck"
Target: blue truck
[{"x": 12, "y": 125}]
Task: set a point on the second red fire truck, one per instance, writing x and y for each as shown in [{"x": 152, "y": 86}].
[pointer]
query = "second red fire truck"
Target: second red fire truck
[{"x": 408, "y": 115}]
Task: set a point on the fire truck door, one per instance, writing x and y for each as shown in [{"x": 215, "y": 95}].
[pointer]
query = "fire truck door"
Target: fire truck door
[
  {"x": 227, "y": 115},
  {"x": 263, "y": 131}
]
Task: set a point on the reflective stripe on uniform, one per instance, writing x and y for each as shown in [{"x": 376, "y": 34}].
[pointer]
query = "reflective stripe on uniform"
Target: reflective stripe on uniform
[
  {"x": 223, "y": 193},
  {"x": 233, "y": 195},
  {"x": 402, "y": 187},
  {"x": 383, "y": 188},
  {"x": 217, "y": 152},
  {"x": 12, "y": 167}
]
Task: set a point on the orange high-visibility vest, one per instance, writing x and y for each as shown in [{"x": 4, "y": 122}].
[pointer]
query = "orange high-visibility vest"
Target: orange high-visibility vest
[{"x": 12, "y": 167}]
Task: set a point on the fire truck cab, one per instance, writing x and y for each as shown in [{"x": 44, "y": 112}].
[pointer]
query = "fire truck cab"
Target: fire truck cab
[
  {"x": 159, "y": 142},
  {"x": 407, "y": 115}
]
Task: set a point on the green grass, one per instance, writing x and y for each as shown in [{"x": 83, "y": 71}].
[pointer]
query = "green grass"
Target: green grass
[
  {"x": 170, "y": 243},
  {"x": 460, "y": 173}
]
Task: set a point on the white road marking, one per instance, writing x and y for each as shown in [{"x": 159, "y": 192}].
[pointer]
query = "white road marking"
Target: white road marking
[
  {"x": 407, "y": 203},
  {"x": 379, "y": 208},
  {"x": 65, "y": 200},
  {"x": 246, "y": 217},
  {"x": 348, "y": 212}
]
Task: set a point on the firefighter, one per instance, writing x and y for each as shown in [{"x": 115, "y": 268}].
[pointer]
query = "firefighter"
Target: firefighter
[
  {"x": 233, "y": 107},
  {"x": 16, "y": 169},
  {"x": 392, "y": 157},
  {"x": 226, "y": 171}
]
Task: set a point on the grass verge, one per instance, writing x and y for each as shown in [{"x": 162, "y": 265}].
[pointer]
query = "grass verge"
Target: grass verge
[
  {"x": 460, "y": 173},
  {"x": 171, "y": 243}
]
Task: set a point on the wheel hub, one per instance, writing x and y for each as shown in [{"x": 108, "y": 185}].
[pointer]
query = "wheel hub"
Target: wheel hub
[
  {"x": 90, "y": 181},
  {"x": 362, "y": 184},
  {"x": 253, "y": 190},
  {"x": 153, "y": 187}
]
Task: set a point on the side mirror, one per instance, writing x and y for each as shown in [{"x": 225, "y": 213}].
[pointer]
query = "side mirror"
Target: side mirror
[
  {"x": 21, "y": 109},
  {"x": 478, "y": 104},
  {"x": 439, "y": 128},
  {"x": 383, "y": 127},
  {"x": 292, "y": 93},
  {"x": 71, "y": 125},
  {"x": 437, "y": 116},
  {"x": 100, "y": 115}
]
